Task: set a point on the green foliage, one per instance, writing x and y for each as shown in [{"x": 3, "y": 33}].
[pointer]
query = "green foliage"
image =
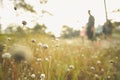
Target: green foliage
[
  {"x": 20, "y": 32},
  {"x": 64, "y": 59},
  {"x": 116, "y": 24},
  {"x": 24, "y": 5},
  {"x": 39, "y": 29},
  {"x": 68, "y": 32}
]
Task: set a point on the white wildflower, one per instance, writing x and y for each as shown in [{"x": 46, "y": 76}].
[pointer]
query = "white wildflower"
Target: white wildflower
[
  {"x": 98, "y": 62},
  {"x": 39, "y": 44},
  {"x": 47, "y": 59},
  {"x": 37, "y": 49},
  {"x": 102, "y": 70},
  {"x": 32, "y": 75},
  {"x": 83, "y": 55},
  {"x": 25, "y": 78},
  {"x": 45, "y": 46},
  {"x": 92, "y": 68},
  {"x": 6, "y": 55},
  {"x": 38, "y": 59},
  {"x": 9, "y": 39},
  {"x": 116, "y": 57},
  {"x": 96, "y": 75},
  {"x": 42, "y": 76},
  {"x": 108, "y": 77},
  {"x": 68, "y": 69},
  {"x": 72, "y": 67}
]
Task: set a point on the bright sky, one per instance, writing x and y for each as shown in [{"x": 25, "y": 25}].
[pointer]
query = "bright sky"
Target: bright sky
[{"x": 65, "y": 12}]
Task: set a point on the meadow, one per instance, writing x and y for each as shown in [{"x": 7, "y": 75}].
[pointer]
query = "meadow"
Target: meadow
[{"x": 39, "y": 57}]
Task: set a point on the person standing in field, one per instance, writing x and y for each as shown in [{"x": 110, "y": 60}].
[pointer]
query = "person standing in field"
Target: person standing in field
[
  {"x": 90, "y": 26},
  {"x": 107, "y": 29}
]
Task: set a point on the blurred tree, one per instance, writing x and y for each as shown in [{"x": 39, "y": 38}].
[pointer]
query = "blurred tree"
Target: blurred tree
[
  {"x": 20, "y": 31},
  {"x": 9, "y": 30},
  {"x": 39, "y": 29},
  {"x": 117, "y": 10},
  {"x": 23, "y": 4},
  {"x": 68, "y": 32},
  {"x": 116, "y": 24}
]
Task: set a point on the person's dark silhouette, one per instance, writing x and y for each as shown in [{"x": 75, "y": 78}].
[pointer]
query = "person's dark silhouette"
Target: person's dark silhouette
[{"x": 90, "y": 26}]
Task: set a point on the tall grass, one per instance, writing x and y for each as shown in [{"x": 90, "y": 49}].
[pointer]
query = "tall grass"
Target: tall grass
[{"x": 62, "y": 60}]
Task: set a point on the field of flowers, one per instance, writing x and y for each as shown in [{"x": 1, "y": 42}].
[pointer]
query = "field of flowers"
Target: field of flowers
[{"x": 44, "y": 58}]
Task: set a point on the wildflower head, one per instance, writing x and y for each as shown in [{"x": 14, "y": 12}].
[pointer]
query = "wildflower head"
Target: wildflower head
[
  {"x": 96, "y": 76},
  {"x": 98, "y": 62},
  {"x": 32, "y": 75},
  {"x": 42, "y": 76},
  {"x": 108, "y": 77},
  {"x": 47, "y": 59},
  {"x": 71, "y": 67},
  {"x": 68, "y": 69},
  {"x": 8, "y": 39},
  {"x": 6, "y": 55},
  {"x": 102, "y": 70},
  {"x": 111, "y": 61},
  {"x": 33, "y": 40},
  {"x": 24, "y": 22},
  {"x": 45, "y": 46},
  {"x": 92, "y": 68},
  {"x": 21, "y": 53},
  {"x": 39, "y": 44},
  {"x": 15, "y": 8},
  {"x": 116, "y": 57},
  {"x": 38, "y": 59}
]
